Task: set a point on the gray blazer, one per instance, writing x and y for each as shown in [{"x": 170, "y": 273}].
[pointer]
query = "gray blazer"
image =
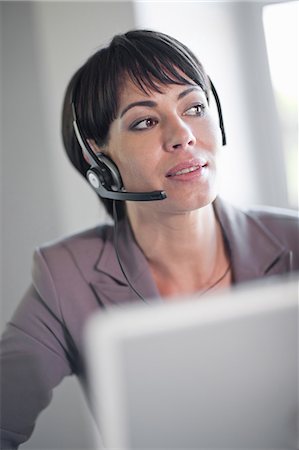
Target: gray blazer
[{"x": 76, "y": 276}]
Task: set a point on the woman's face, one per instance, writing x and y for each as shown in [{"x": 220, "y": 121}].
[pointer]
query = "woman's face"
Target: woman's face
[{"x": 166, "y": 141}]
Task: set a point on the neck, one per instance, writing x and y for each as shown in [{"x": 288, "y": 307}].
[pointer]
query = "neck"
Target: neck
[
  {"x": 185, "y": 251},
  {"x": 173, "y": 234}
]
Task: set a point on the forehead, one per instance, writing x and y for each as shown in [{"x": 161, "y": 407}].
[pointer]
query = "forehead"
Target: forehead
[{"x": 131, "y": 91}]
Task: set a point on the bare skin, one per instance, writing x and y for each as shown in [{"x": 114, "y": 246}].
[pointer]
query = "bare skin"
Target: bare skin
[{"x": 186, "y": 254}]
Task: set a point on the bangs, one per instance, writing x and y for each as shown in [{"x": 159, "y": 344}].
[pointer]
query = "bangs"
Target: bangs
[
  {"x": 156, "y": 74},
  {"x": 150, "y": 63},
  {"x": 150, "y": 74}
]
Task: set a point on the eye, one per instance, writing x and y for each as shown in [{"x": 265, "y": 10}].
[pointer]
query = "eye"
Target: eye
[
  {"x": 195, "y": 110},
  {"x": 144, "y": 124}
]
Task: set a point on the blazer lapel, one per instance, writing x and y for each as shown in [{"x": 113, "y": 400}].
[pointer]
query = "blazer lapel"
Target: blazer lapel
[
  {"x": 254, "y": 250},
  {"x": 110, "y": 284}
]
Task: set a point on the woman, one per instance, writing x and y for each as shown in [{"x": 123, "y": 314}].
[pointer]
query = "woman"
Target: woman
[{"x": 137, "y": 122}]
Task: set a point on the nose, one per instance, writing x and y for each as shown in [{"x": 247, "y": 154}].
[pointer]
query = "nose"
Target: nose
[{"x": 179, "y": 135}]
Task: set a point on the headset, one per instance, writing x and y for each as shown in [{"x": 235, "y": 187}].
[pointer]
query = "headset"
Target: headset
[{"x": 104, "y": 176}]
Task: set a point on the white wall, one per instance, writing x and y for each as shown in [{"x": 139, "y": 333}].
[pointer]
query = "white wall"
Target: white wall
[{"x": 42, "y": 44}]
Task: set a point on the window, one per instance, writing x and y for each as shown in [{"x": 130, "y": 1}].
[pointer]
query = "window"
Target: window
[{"x": 281, "y": 33}]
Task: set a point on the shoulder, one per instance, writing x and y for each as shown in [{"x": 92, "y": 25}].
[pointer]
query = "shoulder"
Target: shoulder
[
  {"x": 261, "y": 239},
  {"x": 260, "y": 225},
  {"x": 64, "y": 272},
  {"x": 67, "y": 260},
  {"x": 274, "y": 214},
  {"x": 86, "y": 244},
  {"x": 276, "y": 220},
  {"x": 283, "y": 223},
  {"x": 280, "y": 224}
]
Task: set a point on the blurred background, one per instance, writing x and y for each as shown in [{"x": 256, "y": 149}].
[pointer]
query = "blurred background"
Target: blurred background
[{"x": 249, "y": 49}]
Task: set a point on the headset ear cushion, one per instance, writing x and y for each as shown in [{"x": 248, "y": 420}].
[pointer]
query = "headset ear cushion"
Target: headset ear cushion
[{"x": 107, "y": 172}]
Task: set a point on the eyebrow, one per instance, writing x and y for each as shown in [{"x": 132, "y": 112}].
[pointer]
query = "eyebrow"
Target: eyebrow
[
  {"x": 152, "y": 104},
  {"x": 187, "y": 91},
  {"x": 148, "y": 103}
]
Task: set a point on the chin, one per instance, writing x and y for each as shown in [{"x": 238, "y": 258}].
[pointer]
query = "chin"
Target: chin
[
  {"x": 179, "y": 206},
  {"x": 197, "y": 198}
]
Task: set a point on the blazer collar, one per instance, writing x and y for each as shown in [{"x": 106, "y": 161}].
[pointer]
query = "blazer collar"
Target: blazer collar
[
  {"x": 135, "y": 266},
  {"x": 254, "y": 250},
  {"x": 131, "y": 256}
]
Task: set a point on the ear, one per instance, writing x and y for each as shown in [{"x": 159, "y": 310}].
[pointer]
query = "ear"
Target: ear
[{"x": 94, "y": 147}]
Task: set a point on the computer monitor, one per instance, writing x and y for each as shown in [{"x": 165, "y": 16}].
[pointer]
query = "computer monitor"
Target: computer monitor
[{"x": 217, "y": 372}]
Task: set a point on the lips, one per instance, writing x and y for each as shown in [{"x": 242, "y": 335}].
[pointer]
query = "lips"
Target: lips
[{"x": 186, "y": 167}]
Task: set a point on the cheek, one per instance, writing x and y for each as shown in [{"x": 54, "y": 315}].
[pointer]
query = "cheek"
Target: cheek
[
  {"x": 129, "y": 169},
  {"x": 212, "y": 136},
  {"x": 134, "y": 158},
  {"x": 142, "y": 172},
  {"x": 136, "y": 170},
  {"x": 132, "y": 166}
]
